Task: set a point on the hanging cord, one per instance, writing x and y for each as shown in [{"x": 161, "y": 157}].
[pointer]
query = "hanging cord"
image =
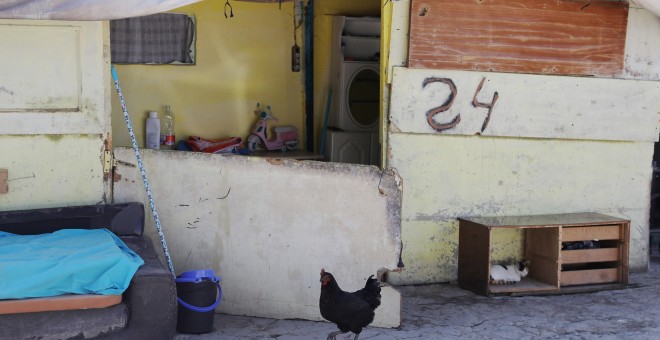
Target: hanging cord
[
  {"x": 231, "y": 10},
  {"x": 144, "y": 174},
  {"x": 297, "y": 20}
]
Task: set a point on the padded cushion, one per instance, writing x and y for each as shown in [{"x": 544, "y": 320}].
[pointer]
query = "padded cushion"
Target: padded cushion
[
  {"x": 125, "y": 219},
  {"x": 62, "y": 302}
]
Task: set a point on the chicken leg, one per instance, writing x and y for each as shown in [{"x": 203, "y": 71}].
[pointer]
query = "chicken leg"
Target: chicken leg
[{"x": 333, "y": 335}]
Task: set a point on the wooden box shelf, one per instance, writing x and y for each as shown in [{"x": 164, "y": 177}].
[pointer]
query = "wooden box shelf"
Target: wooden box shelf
[{"x": 550, "y": 241}]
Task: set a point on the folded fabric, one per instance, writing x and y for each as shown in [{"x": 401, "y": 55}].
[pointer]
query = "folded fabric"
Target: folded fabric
[
  {"x": 68, "y": 261},
  {"x": 223, "y": 145}
]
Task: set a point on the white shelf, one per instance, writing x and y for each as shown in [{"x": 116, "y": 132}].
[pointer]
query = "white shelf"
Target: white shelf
[
  {"x": 362, "y": 27},
  {"x": 361, "y": 48}
]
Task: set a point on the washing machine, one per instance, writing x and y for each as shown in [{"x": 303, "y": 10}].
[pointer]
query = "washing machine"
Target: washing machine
[
  {"x": 348, "y": 147},
  {"x": 354, "y": 115},
  {"x": 353, "y": 147},
  {"x": 356, "y": 97}
]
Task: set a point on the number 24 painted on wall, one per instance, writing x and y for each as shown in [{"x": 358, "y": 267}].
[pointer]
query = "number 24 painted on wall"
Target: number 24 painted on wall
[{"x": 450, "y": 101}]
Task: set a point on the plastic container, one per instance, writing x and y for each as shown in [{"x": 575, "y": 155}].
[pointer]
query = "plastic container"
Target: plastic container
[
  {"x": 196, "y": 294},
  {"x": 167, "y": 136},
  {"x": 152, "y": 139}
]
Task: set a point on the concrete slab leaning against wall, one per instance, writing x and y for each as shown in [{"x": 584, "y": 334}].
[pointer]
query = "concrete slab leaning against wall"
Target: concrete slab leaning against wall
[{"x": 269, "y": 226}]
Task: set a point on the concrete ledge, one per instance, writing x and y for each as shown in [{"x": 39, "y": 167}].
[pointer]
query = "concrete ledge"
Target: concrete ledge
[
  {"x": 68, "y": 324},
  {"x": 388, "y": 314}
]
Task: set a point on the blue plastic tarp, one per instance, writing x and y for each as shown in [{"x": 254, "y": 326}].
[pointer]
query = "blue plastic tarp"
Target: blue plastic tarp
[{"x": 69, "y": 261}]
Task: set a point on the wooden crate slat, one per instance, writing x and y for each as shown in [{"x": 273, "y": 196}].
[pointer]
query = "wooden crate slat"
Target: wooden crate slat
[
  {"x": 591, "y": 276},
  {"x": 600, "y": 233},
  {"x": 525, "y": 285},
  {"x": 590, "y": 255}
]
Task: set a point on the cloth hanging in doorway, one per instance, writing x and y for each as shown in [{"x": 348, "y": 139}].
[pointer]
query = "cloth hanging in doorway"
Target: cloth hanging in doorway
[
  {"x": 85, "y": 9},
  {"x": 161, "y": 38}
]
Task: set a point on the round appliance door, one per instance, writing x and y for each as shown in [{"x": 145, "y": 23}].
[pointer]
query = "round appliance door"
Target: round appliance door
[{"x": 364, "y": 97}]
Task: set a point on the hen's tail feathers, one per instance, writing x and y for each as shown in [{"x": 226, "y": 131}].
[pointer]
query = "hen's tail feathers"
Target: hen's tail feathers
[
  {"x": 372, "y": 283},
  {"x": 371, "y": 292}
]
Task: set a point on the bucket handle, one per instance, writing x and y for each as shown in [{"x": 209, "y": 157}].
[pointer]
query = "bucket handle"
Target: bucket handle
[{"x": 203, "y": 309}]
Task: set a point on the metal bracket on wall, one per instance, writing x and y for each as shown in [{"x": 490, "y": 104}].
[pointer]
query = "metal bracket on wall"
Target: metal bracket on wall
[{"x": 108, "y": 162}]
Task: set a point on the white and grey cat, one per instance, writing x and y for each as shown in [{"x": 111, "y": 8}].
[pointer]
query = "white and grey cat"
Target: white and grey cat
[{"x": 508, "y": 274}]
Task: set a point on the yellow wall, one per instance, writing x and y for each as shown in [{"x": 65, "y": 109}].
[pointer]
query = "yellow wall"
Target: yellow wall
[
  {"x": 545, "y": 172},
  {"x": 240, "y": 61},
  {"x": 445, "y": 177}
]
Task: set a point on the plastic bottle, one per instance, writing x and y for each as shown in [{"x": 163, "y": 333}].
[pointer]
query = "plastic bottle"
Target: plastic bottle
[
  {"x": 167, "y": 137},
  {"x": 153, "y": 131}
]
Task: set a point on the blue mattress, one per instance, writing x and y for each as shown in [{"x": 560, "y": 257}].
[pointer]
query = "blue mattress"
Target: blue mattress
[{"x": 69, "y": 261}]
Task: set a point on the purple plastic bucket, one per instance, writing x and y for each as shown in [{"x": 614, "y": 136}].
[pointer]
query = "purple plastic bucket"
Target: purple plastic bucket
[{"x": 196, "y": 293}]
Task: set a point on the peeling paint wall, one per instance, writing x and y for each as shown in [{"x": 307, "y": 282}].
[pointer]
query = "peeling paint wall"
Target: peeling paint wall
[
  {"x": 451, "y": 176},
  {"x": 641, "y": 59},
  {"x": 595, "y": 154},
  {"x": 51, "y": 171},
  {"x": 54, "y": 112},
  {"x": 268, "y": 226}
]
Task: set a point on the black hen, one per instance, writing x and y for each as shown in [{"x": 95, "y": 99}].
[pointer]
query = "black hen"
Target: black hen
[{"x": 350, "y": 311}]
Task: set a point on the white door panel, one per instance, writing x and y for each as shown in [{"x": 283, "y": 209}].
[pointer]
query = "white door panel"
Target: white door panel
[
  {"x": 53, "y": 77},
  {"x": 54, "y": 112}
]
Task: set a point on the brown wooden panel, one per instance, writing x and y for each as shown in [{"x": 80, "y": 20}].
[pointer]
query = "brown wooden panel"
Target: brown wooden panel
[
  {"x": 473, "y": 256},
  {"x": 527, "y": 284},
  {"x": 542, "y": 250},
  {"x": 542, "y": 221},
  {"x": 625, "y": 252},
  {"x": 579, "y": 277},
  {"x": 55, "y": 303},
  {"x": 525, "y": 36},
  {"x": 610, "y": 232},
  {"x": 590, "y": 255}
]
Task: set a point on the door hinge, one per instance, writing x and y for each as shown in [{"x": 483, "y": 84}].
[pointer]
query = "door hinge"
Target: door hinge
[{"x": 108, "y": 162}]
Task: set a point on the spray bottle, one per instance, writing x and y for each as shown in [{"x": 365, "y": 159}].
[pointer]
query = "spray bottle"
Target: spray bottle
[{"x": 152, "y": 131}]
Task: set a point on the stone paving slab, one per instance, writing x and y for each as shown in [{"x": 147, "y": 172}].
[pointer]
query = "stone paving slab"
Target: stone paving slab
[{"x": 445, "y": 311}]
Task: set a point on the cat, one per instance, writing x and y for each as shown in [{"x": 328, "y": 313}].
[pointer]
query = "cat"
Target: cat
[{"x": 508, "y": 274}]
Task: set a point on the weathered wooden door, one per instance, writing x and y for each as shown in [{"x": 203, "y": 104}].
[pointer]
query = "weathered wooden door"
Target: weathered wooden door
[{"x": 54, "y": 113}]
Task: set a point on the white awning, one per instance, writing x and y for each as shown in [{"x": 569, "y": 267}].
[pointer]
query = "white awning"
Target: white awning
[
  {"x": 85, "y": 9},
  {"x": 652, "y": 6}
]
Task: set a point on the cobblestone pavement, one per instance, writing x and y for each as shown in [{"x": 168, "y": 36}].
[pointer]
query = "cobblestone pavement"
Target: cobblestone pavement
[{"x": 445, "y": 311}]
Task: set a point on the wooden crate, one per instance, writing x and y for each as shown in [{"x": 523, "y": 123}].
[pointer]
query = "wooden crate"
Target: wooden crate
[
  {"x": 552, "y": 269},
  {"x": 607, "y": 264}
]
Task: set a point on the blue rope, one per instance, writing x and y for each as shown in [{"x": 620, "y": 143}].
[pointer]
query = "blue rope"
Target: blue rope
[{"x": 144, "y": 174}]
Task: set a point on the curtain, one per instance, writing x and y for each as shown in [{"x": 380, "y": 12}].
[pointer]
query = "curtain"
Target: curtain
[
  {"x": 161, "y": 38},
  {"x": 85, "y": 9}
]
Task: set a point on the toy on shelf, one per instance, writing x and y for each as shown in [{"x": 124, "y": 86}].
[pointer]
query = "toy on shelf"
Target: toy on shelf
[{"x": 285, "y": 138}]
